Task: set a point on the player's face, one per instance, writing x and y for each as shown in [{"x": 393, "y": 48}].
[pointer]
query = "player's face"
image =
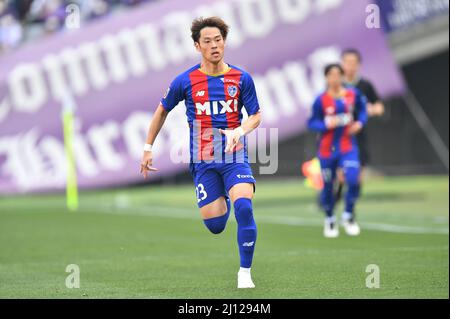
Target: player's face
[
  {"x": 211, "y": 44},
  {"x": 334, "y": 78},
  {"x": 350, "y": 64}
]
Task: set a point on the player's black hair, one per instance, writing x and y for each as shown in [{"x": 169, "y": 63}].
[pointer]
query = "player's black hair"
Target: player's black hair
[
  {"x": 352, "y": 51},
  {"x": 215, "y": 22},
  {"x": 330, "y": 67}
]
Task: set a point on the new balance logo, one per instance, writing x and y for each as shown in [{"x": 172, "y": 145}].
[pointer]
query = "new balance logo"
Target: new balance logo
[
  {"x": 200, "y": 93},
  {"x": 249, "y": 244}
]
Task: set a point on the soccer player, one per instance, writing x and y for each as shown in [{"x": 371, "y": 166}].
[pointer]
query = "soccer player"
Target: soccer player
[
  {"x": 215, "y": 94},
  {"x": 351, "y": 62},
  {"x": 338, "y": 115}
]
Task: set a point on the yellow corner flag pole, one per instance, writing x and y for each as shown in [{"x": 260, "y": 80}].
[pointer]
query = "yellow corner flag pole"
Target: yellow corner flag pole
[{"x": 71, "y": 177}]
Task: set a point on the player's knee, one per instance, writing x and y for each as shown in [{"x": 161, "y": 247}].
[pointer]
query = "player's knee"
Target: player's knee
[
  {"x": 351, "y": 183},
  {"x": 327, "y": 192},
  {"x": 216, "y": 225},
  {"x": 244, "y": 211},
  {"x": 352, "y": 179},
  {"x": 327, "y": 187}
]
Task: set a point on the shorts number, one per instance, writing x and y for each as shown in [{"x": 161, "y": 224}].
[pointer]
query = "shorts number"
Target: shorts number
[{"x": 201, "y": 193}]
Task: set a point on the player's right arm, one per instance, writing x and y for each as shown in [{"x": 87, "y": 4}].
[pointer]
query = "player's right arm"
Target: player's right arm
[
  {"x": 159, "y": 117},
  {"x": 173, "y": 96}
]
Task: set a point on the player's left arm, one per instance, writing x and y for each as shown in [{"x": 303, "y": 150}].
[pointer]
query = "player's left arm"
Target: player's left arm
[
  {"x": 233, "y": 136},
  {"x": 361, "y": 114},
  {"x": 251, "y": 123},
  {"x": 250, "y": 100}
]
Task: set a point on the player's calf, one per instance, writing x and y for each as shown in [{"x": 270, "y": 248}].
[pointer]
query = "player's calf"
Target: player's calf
[
  {"x": 353, "y": 185},
  {"x": 327, "y": 199},
  {"x": 246, "y": 230},
  {"x": 247, "y": 233},
  {"x": 348, "y": 217}
]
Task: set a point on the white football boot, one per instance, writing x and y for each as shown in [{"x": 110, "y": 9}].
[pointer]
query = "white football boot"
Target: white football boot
[
  {"x": 350, "y": 225},
  {"x": 245, "y": 278},
  {"x": 330, "y": 229}
]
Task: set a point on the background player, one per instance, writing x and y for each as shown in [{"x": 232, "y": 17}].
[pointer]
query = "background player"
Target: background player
[
  {"x": 351, "y": 63},
  {"x": 215, "y": 93},
  {"x": 333, "y": 117}
]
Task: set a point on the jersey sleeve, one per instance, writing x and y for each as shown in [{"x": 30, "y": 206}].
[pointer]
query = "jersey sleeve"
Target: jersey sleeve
[
  {"x": 316, "y": 122},
  {"x": 248, "y": 95},
  {"x": 173, "y": 95},
  {"x": 361, "y": 108}
]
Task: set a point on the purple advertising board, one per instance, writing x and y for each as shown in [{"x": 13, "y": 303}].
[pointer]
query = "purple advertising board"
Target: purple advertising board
[
  {"x": 115, "y": 71},
  {"x": 401, "y": 14}
]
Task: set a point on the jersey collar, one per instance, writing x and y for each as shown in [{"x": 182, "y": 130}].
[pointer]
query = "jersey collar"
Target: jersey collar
[{"x": 216, "y": 74}]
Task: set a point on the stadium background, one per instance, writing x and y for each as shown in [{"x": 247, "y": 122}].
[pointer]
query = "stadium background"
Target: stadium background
[{"x": 408, "y": 148}]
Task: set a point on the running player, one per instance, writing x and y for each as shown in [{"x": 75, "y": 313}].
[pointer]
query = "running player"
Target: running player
[
  {"x": 215, "y": 94},
  {"x": 338, "y": 115},
  {"x": 351, "y": 63}
]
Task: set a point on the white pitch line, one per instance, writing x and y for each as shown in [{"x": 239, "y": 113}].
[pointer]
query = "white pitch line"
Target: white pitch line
[
  {"x": 405, "y": 229},
  {"x": 123, "y": 208},
  {"x": 171, "y": 212}
]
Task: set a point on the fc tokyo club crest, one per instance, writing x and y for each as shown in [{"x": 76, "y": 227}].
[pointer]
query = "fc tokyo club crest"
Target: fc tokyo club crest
[{"x": 232, "y": 90}]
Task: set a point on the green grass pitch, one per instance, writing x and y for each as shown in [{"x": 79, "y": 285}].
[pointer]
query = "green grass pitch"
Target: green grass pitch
[{"x": 150, "y": 243}]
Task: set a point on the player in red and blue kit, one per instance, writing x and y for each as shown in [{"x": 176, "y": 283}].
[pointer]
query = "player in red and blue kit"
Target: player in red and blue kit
[
  {"x": 215, "y": 95},
  {"x": 338, "y": 115}
]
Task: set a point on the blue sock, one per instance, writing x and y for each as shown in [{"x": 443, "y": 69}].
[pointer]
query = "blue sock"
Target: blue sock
[
  {"x": 351, "y": 197},
  {"x": 327, "y": 199},
  {"x": 352, "y": 178},
  {"x": 246, "y": 235},
  {"x": 216, "y": 225}
]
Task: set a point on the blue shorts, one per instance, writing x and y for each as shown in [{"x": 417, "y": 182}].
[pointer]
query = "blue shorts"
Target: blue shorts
[
  {"x": 346, "y": 161},
  {"x": 214, "y": 180}
]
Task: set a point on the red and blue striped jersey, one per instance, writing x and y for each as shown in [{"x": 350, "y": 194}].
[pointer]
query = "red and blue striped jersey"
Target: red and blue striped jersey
[
  {"x": 212, "y": 102},
  {"x": 351, "y": 107}
]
